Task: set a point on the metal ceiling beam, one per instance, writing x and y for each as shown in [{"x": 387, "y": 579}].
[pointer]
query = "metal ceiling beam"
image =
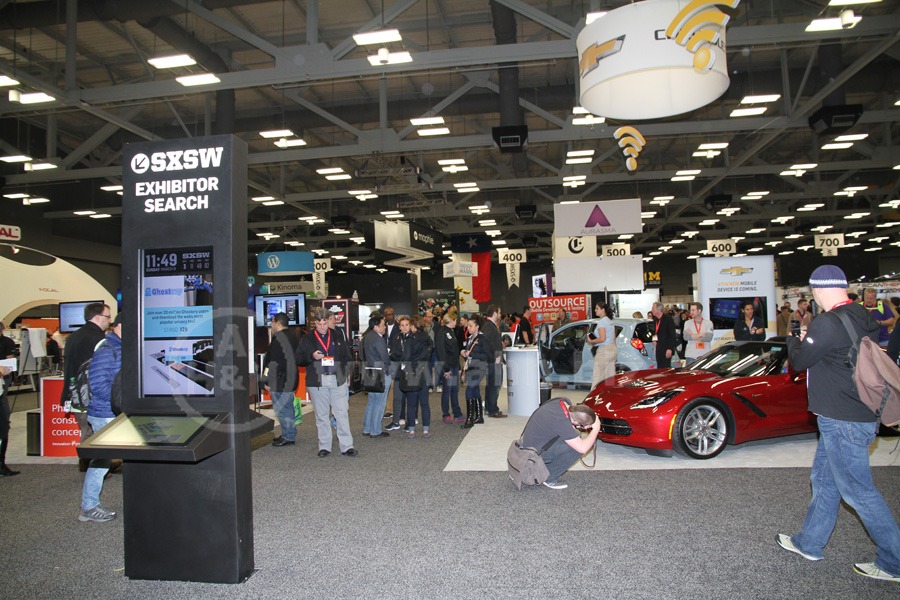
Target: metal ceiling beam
[{"x": 539, "y": 17}]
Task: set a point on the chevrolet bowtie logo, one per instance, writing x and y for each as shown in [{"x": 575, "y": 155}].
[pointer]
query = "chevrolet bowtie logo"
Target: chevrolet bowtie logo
[{"x": 736, "y": 271}]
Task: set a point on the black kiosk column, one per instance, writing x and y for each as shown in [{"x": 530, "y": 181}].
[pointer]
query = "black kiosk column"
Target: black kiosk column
[{"x": 186, "y": 427}]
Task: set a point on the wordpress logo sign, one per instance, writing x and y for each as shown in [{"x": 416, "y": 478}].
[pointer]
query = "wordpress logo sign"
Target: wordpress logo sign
[{"x": 273, "y": 261}]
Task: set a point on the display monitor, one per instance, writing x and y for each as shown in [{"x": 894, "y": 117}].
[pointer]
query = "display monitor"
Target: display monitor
[
  {"x": 293, "y": 305},
  {"x": 177, "y": 322},
  {"x": 725, "y": 312},
  {"x": 153, "y": 430},
  {"x": 71, "y": 315}
]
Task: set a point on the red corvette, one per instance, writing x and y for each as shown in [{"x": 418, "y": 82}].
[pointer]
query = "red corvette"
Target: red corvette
[{"x": 739, "y": 392}]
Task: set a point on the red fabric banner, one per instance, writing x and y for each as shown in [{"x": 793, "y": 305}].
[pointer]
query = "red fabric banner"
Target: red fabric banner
[{"x": 481, "y": 285}]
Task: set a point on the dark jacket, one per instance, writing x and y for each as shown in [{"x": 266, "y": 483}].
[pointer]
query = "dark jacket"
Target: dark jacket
[
  {"x": 107, "y": 361},
  {"x": 666, "y": 338},
  {"x": 79, "y": 348},
  {"x": 374, "y": 350},
  {"x": 823, "y": 354},
  {"x": 281, "y": 361},
  {"x": 493, "y": 339},
  {"x": 447, "y": 347},
  {"x": 417, "y": 348},
  {"x": 340, "y": 350},
  {"x": 742, "y": 331}
]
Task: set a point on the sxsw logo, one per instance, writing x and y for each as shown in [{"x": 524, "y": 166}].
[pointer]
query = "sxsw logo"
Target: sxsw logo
[{"x": 177, "y": 160}]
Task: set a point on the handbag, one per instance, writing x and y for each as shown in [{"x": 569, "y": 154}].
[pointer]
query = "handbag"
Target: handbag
[
  {"x": 525, "y": 465},
  {"x": 412, "y": 377},
  {"x": 373, "y": 379}
]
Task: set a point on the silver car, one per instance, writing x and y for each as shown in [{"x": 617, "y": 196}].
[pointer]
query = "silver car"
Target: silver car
[{"x": 567, "y": 360}]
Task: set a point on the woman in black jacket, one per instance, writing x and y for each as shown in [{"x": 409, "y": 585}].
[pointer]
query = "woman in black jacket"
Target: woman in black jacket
[
  {"x": 750, "y": 326},
  {"x": 417, "y": 350},
  {"x": 478, "y": 356},
  {"x": 447, "y": 347}
]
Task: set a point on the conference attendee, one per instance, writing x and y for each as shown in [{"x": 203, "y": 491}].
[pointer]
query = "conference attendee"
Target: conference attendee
[
  {"x": 602, "y": 340},
  {"x": 280, "y": 373},
  {"x": 801, "y": 317},
  {"x": 417, "y": 351},
  {"x": 554, "y": 430},
  {"x": 79, "y": 348},
  {"x": 392, "y": 335},
  {"x": 561, "y": 319},
  {"x": 328, "y": 363},
  {"x": 524, "y": 330},
  {"x": 664, "y": 336},
  {"x": 750, "y": 326},
  {"x": 783, "y": 320},
  {"x": 698, "y": 333},
  {"x": 479, "y": 357},
  {"x": 446, "y": 344},
  {"x": 5, "y": 379},
  {"x": 882, "y": 314},
  {"x": 106, "y": 362},
  {"x": 7, "y": 345},
  {"x": 494, "y": 377},
  {"x": 374, "y": 354},
  {"x": 847, "y": 427}
]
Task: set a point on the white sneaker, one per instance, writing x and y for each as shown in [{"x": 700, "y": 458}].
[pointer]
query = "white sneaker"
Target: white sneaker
[
  {"x": 785, "y": 542},
  {"x": 870, "y": 570},
  {"x": 96, "y": 514},
  {"x": 555, "y": 485}
]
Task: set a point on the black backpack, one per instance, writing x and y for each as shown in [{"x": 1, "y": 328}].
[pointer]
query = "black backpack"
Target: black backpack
[{"x": 80, "y": 386}]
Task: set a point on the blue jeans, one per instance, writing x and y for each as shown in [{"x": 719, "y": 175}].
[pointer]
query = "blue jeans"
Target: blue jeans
[
  {"x": 450, "y": 393},
  {"x": 841, "y": 470},
  {"x": 375, "y": 408},
  {"x": 283, "y": 403},
  {"x": 93, "y": 478},
  {"x": 413, "y": 399}
]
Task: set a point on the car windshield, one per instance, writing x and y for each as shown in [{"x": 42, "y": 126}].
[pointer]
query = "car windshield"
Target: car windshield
[{"x": 744, "y": 360}]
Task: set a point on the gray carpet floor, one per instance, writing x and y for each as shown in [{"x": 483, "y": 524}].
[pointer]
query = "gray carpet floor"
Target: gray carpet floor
[{"x": 391, "y": 523}]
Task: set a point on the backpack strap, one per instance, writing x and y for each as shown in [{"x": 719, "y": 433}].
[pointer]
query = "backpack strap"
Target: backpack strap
[{"x": 854, "y": 337}]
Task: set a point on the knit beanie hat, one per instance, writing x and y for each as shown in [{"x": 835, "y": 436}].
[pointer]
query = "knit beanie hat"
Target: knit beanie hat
[{"x": 828, "y": 276}]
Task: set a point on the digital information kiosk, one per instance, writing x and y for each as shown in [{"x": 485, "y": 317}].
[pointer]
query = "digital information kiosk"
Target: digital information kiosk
[{"x": 186, "y": 425}]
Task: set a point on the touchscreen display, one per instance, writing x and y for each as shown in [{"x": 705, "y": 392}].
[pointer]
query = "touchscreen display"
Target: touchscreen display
[
  {"x": 177, "y": 356},
  {"x": 152, "y": 430}
]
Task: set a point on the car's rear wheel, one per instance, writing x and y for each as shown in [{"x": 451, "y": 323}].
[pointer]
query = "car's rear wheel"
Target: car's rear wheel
[
  {"x": 701, "y": 429},
  {"x": 620, "y": 368}
]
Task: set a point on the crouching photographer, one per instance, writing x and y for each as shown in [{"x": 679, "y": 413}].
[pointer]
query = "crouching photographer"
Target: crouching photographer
[{"x": 554, "y": 430}]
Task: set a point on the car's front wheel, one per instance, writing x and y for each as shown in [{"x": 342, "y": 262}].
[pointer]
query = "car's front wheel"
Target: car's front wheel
[
  {"x": 620, "y": 368},
  {"x": 701, "y": 429}
]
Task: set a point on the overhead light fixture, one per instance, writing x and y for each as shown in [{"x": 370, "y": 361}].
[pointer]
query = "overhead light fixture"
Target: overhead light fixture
[
  {"x": 419, "y": 121},
  {"x": 748, "y": 112},
  {"x": 6, "y": 81},
  {"x": 454, "y": 168},
  {"x": 713, "y": 146},
  {"x": 38, "y": 166},
  {"x": 199, "y": 79},
  {"x": 16, "y": 195},
  {"x": 329, "y": 170},
  {"x": 761, "y": 99},
  {"x": 384, "y": 36},
  {"x": 262, "y": 198},
  {"x": 683, "y": 178},
  {"x": 273, "y": 203},
  {"x": 30, "y": 98},
  {"x": 84, "y": 213},
  {"x": 286, "y": 143},
  {"x": 588, "y": 120},
  {"x": 338, "y": 177},
  {"x": 39, "y": 200},
  {"x": 805, "y": 166},
  {"x": 433, "y": 131},
  {"x": 574, "y": 177},
  {"x": 15, "y": 158},
  {"x": 847, "y": 20},
  {"x": 101, "y": 216},
  {"x": 688, "y": 172},
  {"x": 837, "y": 146},
  {"x": 579, "y": 161},
  {"x": 111, "y": 188},
  {"x": 385, "y": 57},
  {"x": 851, "y": 2},
  {"x": 706, "y": 153},
  {"x": 662, "y": 200},
  {"x": 451, "y": 161},
  {"x": 708, "y": 222},
  {"x": 171, "y": 62},
  {"x": 579, "y": 153},
  {"x": 276, "y": 133},
  {"x": 853, "y": 137}
]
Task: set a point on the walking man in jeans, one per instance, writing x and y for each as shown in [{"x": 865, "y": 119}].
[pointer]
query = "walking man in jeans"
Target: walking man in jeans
[
  {"x": 847, "y": 427},
  {"x": 281, "y": 378}
]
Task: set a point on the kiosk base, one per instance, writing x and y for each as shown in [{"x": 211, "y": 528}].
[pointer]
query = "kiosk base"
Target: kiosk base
[{"x": 193, "y": 525}]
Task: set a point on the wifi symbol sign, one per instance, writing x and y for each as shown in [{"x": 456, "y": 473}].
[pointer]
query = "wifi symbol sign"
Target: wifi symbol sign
[
  {"x": 697, "y": 27},
  {"x": 633, "y": 142}
]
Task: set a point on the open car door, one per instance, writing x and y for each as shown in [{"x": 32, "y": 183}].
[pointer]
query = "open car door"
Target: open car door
[{"x": 542, "y": 335}]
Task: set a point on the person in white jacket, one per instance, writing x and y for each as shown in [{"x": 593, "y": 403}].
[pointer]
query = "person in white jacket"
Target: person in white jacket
[{"x": 698, "y": 333}]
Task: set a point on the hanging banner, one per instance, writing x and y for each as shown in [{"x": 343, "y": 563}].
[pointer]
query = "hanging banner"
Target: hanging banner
[
  {"x": 610, "y": 217},
  {"x": 512, "y": 274},
  {"x": 545, "y": 310},
  {"x": 460, "y": 268},
  {"x": 574, "y": 247},
  {"x": 320, "y": 288}
]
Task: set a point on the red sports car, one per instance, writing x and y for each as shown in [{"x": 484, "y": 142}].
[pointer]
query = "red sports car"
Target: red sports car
[{"x": 739, "y": 392}]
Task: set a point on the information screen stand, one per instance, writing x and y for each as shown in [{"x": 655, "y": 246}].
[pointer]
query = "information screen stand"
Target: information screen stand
[{"x": 185, "y": 430}]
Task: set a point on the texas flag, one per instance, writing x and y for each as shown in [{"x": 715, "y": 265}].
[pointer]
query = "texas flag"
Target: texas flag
[{"x": 476, "y": 248}]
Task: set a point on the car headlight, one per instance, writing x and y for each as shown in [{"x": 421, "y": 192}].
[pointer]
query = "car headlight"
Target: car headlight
[{"x": 657, "y": 399}]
